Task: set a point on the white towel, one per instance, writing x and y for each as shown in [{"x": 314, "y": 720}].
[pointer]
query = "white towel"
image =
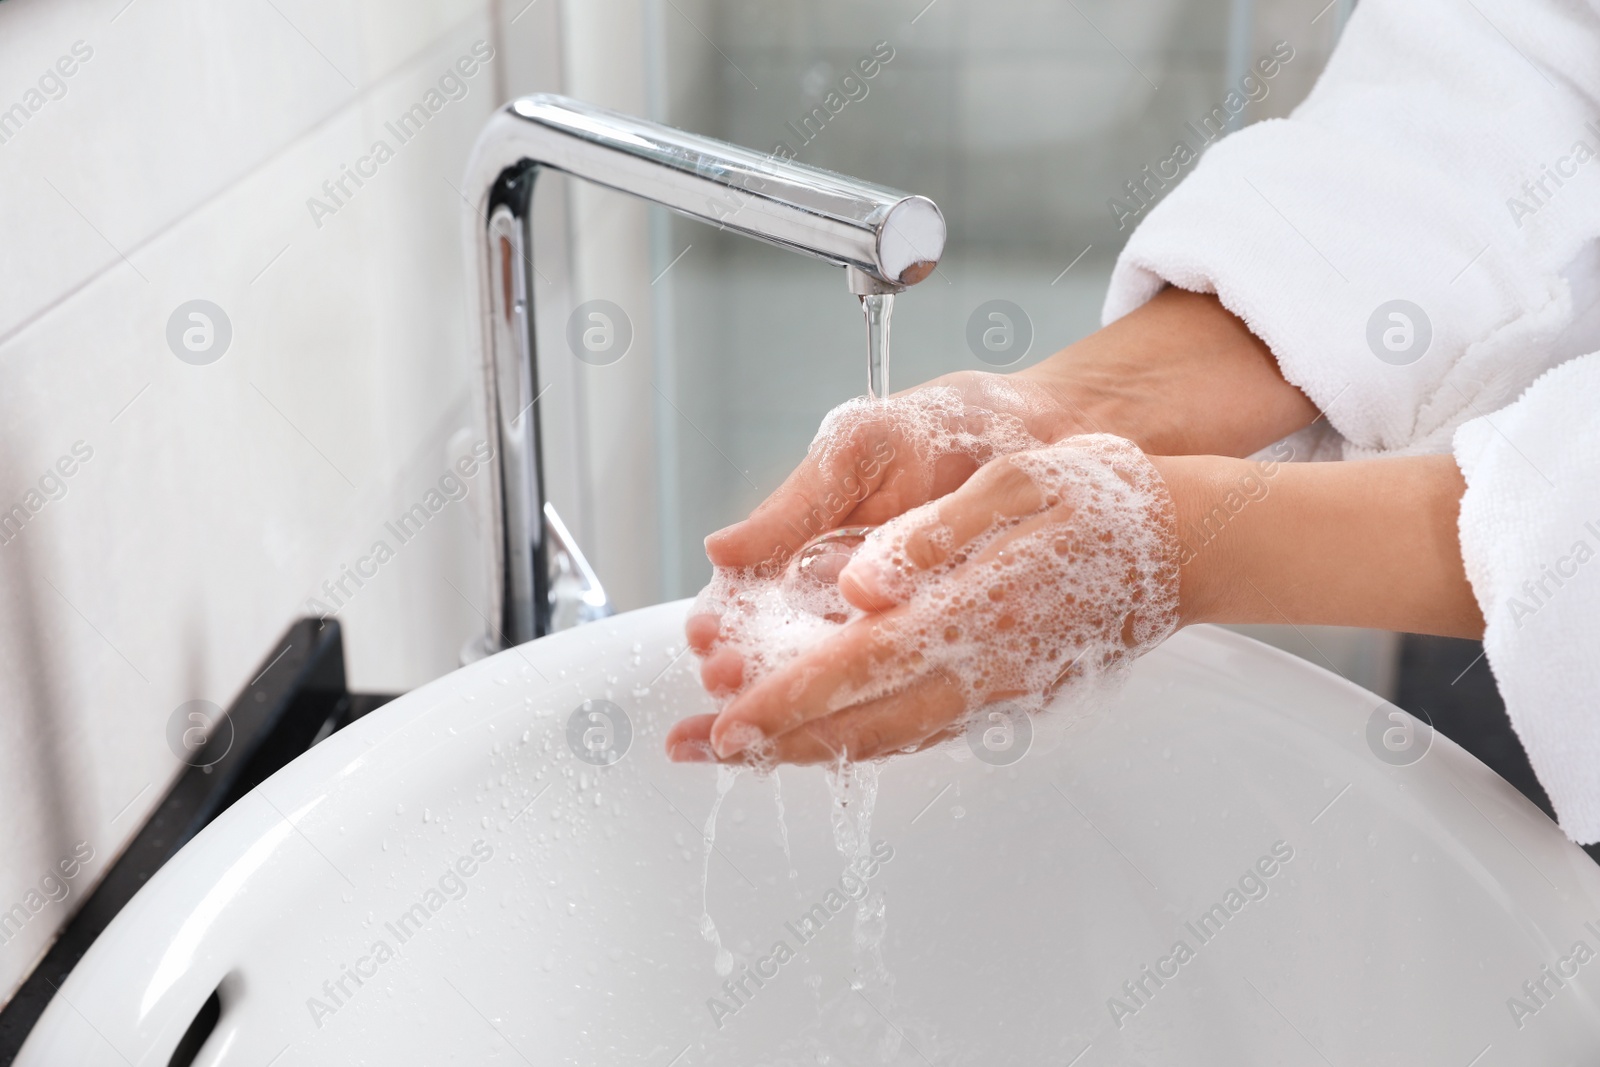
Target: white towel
[{"x": 1449, "y": 157}]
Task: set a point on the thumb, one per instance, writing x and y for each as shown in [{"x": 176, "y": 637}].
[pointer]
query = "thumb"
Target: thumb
[{"x": 820, "y": 495}]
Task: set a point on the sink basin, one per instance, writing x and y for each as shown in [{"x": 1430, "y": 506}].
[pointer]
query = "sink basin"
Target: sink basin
[{"x": 1234, "y": 862}]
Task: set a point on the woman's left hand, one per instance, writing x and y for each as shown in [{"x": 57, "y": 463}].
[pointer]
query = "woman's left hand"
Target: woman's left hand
[{"x": 1046, "y": 565}]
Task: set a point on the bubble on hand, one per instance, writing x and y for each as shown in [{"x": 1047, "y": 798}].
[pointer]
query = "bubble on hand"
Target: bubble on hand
[{"x": 811, "y": 582}]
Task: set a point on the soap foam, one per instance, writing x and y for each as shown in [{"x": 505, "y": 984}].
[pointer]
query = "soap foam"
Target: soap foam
[
  {"x": 935, "y": 422},
  {"x": 1081, "y": 587},
  {"x": 769, "y": 618},
  {"x": 1086, "y": 583}
]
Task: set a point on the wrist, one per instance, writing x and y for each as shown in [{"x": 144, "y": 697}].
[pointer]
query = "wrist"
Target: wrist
[
  {"x": 1182, "y": 375},
  {"x": 1371, "y": 543},
  {"x": 1083, "y": 390},
  {"x": 1207, "y": 493}
]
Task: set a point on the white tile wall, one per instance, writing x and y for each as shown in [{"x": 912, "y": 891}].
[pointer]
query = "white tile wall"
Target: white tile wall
[{"x": 218, "y": 498}]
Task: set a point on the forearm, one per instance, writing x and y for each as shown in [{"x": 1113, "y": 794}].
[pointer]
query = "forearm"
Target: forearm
[
  {"x": 1370, "y": 543},
  {"x": 1179, "y": 376}
]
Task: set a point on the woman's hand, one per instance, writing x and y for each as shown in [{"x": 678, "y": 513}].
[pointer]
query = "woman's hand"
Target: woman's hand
[
  {"x": 872, "y": 460},
  {"x": 1049, "y": 565}
]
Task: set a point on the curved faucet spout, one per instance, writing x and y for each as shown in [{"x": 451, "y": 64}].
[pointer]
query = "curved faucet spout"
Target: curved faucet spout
[{"x": 886, "y": 239}]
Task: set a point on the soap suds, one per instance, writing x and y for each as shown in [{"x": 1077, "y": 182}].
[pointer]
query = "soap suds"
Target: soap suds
[
  {"x": 1081, "y": 586},
  {"x": 768, "y": 618},
  {"x": 934, "y": 422}
]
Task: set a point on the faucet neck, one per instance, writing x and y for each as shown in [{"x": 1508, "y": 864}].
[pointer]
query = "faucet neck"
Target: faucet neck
[{"x": 886, "y": 240}]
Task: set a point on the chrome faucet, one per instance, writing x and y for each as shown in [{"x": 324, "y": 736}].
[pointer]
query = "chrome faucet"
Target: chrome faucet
[{"x": 885, "y": 239}]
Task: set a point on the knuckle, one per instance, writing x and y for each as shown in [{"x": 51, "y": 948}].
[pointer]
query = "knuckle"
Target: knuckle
[
  {"x": 1000, "y": 471},
  {"x": 923, "y": 550},
  {"x": 1003, "y": 477}
]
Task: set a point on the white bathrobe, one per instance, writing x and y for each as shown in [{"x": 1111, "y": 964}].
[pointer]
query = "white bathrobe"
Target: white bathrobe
[{"x": 1449, "y": 157}]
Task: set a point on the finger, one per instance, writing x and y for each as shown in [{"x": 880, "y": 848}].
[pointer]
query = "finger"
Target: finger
[
  {"x": 939, "y": 737},
  {"x": 810, "y": 686},
  {"x": 896, "y": 494},
  {"x": 819, "y": 495},
  {"x": 722, "y": 672},
  {"x": 997, "y": 571},
  {"x": 914, "y": 719},
  {"x": 702, "y": 632},
  {"x": 689, "y": 740},
  {"x": 895, "y": 723},
  {"x": 1001, "y": 491},
  {"x": 1002, "y": 574}
]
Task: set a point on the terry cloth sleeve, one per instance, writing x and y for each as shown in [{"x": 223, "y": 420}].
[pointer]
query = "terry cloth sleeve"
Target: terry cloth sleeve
[
  {"x": 1530, "y": 537},
  {"x": 1415, "y": 243}
]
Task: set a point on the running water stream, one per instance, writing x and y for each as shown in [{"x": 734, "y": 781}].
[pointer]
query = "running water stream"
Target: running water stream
[
  {"x": 722, "y": 962},
  {"x": 1114, "y": 558},
  {"x": 854, "y": 789},
  {"x": 877, "y": 307}
]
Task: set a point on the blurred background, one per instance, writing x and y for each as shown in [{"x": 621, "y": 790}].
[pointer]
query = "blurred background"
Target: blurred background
[{"x": 202, "y": 152}]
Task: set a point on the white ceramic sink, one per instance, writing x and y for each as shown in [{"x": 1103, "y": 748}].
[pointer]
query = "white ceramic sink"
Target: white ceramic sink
[{"x": 1414, "y": 901}]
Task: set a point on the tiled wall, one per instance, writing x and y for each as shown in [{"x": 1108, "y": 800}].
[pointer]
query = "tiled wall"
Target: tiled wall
[{"x": 208, "y": 501}]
